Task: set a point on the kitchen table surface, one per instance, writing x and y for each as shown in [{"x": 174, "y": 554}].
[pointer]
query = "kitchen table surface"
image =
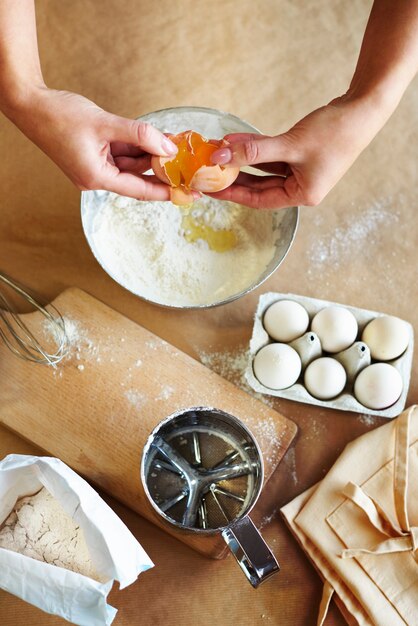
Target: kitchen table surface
[{"x": 270, "y": 63}]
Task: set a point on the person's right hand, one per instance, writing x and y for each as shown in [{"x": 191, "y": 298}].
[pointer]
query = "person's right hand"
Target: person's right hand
[
  {"x": 305, "y": 162},
  {"x": 94, "y": 148}
]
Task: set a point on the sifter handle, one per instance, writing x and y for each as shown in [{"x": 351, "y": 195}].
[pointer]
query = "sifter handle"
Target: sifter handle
[{"x": 250, "y": 550}]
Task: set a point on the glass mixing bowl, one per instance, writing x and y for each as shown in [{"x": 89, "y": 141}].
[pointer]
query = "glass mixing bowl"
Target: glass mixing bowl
[{"x": 203, "y": 120}]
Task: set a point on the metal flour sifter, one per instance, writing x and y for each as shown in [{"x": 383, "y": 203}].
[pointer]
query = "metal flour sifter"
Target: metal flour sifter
[{"x": 202, "y": 471}]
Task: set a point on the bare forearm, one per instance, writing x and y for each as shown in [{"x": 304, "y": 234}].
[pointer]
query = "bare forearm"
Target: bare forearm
[
  {"x": 20, "y": 70},
  {"x": 388, "y": 59}
]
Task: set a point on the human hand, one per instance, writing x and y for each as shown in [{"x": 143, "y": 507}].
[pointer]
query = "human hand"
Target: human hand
[
  {"x": 94, "y": 148},
  {"x": 304, "y": 163}
]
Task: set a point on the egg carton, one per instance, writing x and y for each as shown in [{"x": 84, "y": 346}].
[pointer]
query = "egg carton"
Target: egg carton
[{"x": 345, "y": 401}]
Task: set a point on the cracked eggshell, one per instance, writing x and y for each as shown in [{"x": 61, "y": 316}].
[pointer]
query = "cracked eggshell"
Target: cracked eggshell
[
  {"x": 378, "y": 386},
  {"x": 336, "y": 327},
  {"x": 181, "y": 196},
  {"x": 212, "y": 178},
  {"x": 208, "y": 178},
  {"x": 387, "y": 337},
  {"x": 277, "y": 366},
  {"x": 286, "y": 320},
  {"x": 157, "y": 166},
  {"x": 325, "y": 378}
]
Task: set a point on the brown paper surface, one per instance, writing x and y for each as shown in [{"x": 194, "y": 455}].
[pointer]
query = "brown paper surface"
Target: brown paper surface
[{"x": 270, "y": 63}]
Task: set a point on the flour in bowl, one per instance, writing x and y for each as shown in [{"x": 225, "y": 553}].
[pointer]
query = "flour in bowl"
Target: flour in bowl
[{"x": 171, "y": 256}]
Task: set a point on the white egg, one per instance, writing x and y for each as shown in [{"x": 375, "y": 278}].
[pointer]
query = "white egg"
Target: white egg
[
  {"x": 325, "y": 378},
  {"x": 286, "y": 320},
  {"x": 277, "y": 366},
  {"x": 378, "y": 386},
  {"x": 336, "y": 328},
  {"x": 387, "y": 337}
]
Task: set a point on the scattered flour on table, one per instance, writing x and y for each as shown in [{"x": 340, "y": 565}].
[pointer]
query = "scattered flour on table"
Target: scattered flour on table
[
  {"x": 38, "y": 527},
  {"x": 231, "y": 364},
  {"x": 315, "y": 429},
  {"x": 354, "y": 237},
  {"x": 267, "y": 519},
  {"x": 368, "y": 420},
  {"x": 143, "y": 246}
]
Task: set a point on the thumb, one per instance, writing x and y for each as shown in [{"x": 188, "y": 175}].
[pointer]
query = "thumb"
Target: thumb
[
  {"x": 140, "y": 134},
  {"x": 250, "y": 150}
]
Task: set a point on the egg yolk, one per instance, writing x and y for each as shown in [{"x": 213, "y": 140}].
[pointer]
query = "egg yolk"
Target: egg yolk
[
  {"x": 194, "y": 151},
  {"x": 217, "y": 240}
]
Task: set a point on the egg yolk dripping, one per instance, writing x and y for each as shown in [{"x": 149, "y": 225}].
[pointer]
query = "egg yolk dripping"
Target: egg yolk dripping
[
  {"x": 194, "y": 151},
  {"x": 217, "y": 240}
]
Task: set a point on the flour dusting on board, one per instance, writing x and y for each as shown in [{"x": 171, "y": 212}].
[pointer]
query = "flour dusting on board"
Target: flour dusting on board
[
  {"x": 265, "y": 432},
  {"x": 136, "y": 398},
  {"x": 81, "y": 346},
  {"x": 166, "y": 392}
]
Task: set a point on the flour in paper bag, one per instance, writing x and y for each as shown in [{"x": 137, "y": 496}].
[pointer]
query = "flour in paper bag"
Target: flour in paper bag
[{"x": 38, "y": 527}]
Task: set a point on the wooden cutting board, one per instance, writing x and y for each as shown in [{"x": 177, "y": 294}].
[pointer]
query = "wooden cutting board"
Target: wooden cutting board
[{"x": 96, "y": 410}]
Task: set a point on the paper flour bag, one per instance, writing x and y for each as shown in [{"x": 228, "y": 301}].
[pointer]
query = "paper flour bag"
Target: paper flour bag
[{"x": 61, "y": 545}]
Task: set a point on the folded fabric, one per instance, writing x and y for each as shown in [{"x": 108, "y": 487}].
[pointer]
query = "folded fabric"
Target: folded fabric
[{"x": 359, "y": 526}]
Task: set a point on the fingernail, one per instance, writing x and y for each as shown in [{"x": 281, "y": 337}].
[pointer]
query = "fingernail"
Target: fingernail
[
  {"x": 168, "y": 146},
  {"x": 222, "y": 156}
]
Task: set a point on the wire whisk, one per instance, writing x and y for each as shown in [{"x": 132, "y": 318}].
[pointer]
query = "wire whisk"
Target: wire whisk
[{"x": 22, "y": 341}]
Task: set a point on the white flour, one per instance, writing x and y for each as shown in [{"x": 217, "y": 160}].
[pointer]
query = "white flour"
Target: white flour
[
  {"x": 142, "y": 245},
  {"x": 355, "y": 236},
  {"x": 80, "y": 346},
  {"x": 38, "y": 527}
]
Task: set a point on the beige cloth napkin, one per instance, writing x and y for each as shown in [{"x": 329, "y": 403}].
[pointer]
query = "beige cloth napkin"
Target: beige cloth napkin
[{"x": 359, "y": 526}]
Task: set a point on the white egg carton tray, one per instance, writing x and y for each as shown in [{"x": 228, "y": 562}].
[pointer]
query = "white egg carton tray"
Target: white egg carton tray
[{"x": 346, "y": 400}]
